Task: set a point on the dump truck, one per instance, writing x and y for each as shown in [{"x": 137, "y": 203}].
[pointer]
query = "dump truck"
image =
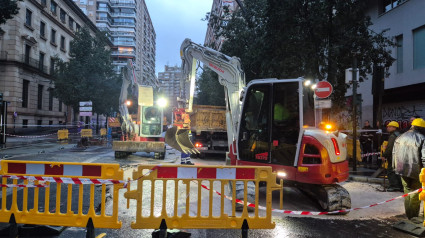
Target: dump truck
[{"x": 209, "y": 132}]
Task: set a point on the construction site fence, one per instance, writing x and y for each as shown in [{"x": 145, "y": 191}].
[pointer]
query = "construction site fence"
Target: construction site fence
[
  {"x": 52, "y": 193},
  {"x": 204, "y": 197}
]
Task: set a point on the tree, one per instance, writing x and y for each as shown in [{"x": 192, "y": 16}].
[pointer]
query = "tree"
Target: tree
[
  {"x": 314, "y": 39},
  {"x": 8, "y": 8},
  {"x": 210, "y": 91},
  {"x": 88, "y": 75}
]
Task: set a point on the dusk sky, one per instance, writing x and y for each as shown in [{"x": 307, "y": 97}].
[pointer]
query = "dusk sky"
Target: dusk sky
[{"x": 175, "y": 20}]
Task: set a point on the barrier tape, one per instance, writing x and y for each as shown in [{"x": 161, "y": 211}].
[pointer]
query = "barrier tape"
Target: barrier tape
[
  {"x": 23, "y": 185},
  {"x": 29, "y": 136},
  {"x": 370, "y": 154},
  {"x": 66, "y": 180},
  {"x": 309, "y": 212}
]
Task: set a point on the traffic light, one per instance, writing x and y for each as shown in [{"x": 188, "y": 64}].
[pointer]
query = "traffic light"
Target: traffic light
[{"x": 1, "y": 99}]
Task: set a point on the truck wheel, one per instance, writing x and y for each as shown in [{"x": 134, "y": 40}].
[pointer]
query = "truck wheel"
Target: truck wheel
[{"x": 121, "y": 154}]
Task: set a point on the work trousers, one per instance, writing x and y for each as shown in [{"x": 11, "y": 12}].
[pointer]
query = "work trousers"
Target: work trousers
[
  {"x": 412, "y": 204},
  {"x": 393, "y": 178}
]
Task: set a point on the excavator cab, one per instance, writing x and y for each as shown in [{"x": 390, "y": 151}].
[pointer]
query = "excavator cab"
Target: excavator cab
[
  {"x": 151, "y": 121},
  {"x": 270, "y": 123}
]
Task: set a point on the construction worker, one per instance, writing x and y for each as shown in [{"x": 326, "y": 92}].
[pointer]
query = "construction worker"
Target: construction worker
[
  {"x": 408, "y": 159},
  {"x": 393, "y": 179},
  {"x": 185, "y": 157}
]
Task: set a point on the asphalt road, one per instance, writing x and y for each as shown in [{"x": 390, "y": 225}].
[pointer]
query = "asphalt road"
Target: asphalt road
[{"x": 374, "y": 222}]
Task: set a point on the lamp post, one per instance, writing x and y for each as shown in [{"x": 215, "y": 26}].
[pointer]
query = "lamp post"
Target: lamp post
[{"x": 354, "y": 113}]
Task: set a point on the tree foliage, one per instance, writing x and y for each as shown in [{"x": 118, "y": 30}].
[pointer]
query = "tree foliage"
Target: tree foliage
[
  {"x": 8, "y": 8},
  {"x": 309, "y": 38},
  {"x": 88, "y": 75},
  {"x": 210, "y": 91}
]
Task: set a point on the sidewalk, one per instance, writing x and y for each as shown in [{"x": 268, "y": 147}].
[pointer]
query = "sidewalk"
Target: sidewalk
[{"x": 364, "y": 175}]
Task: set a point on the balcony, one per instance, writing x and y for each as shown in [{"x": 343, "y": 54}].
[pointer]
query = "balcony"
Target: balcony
[
  {"x": 124, "y": 43},
  {"x": 118, "y": 4},
  {"x": 121, "y": 14},
  {"x": 34, "y": 63},
  {"x": 123, "y": 53},
  {"x": 3, "y": 55},
  {"x": 130, "y": 24}
]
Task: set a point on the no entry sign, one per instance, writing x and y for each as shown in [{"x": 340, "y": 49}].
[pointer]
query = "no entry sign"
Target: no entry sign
[{"x": 323, "y": 89}]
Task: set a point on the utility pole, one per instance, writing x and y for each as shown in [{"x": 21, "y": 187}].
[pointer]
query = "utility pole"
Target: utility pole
[{"x": 355, "y": 113}]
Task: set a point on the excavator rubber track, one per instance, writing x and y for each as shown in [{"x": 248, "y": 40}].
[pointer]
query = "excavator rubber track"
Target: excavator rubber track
[{"x": 331, "y": 197}]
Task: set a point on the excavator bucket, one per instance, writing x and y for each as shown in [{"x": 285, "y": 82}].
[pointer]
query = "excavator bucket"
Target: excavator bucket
[{"x": 179, "y": 140}]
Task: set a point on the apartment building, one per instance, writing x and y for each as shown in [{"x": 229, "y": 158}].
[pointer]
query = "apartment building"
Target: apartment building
[
  {"x": 170, "y": 81},
  {"x": 403, "y": 95},
  {"x": 131, "y": 31},
  {"x": 217, "y": 9},
  {"x": 42, "y": 29}
]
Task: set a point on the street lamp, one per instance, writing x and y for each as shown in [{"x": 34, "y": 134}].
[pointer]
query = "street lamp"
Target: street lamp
[
  {"x": 128, "y": 103},
  {"x": 162, "y": 102}
]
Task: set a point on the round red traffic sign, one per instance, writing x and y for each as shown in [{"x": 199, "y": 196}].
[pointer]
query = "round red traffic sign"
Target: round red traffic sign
[{"x": 323, "y": 89}]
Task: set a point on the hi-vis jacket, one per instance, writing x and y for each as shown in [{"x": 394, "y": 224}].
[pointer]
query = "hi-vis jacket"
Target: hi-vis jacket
[{"x": 409, "y": 154}]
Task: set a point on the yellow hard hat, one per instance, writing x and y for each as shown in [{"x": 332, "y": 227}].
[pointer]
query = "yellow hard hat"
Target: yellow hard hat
[
  {"x": 394, "y": 124},
  {"x": 418, "y": 122}
]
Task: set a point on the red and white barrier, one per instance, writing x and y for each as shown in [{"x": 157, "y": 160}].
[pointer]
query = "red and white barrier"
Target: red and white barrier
[
  {"x": 206, "y": 173},
  {"x": 47, "y": 169}
]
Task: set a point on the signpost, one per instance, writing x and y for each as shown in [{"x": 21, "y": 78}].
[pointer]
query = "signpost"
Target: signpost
[
  {"x": 323, "y": 89},
  {"x": 86, "y": 110}
]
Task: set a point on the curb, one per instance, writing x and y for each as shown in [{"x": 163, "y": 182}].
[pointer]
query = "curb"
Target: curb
[{"x": 365, "y": 179}]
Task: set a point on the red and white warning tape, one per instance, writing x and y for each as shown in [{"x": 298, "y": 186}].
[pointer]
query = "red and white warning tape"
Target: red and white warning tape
[
  {"x": 30, "y": 136},
  {"x": 370, "y": 154},
  {"x": 309, "y": 212},
  {"x": 23, "y": 185}
]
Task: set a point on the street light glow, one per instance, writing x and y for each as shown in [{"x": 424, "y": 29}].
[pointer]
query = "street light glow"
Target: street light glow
[
  {"x": 307, "y": 82},
  {"x": 162, "y": 102},
  {"x": 128, "y": 102}
]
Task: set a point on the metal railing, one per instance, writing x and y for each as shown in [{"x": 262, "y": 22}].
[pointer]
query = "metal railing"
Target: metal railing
[
  {"x": 35, "y": 64},
  {"x": 3, "y": 55}
]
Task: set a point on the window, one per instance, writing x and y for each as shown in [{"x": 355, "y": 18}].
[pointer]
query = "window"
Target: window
[
  {"x": 62, "y": 43},
  {"x": 63, "y": 16},
  {"x": 53, "y": 7},
  {"x": 419, "y": 48},
  {"x": 24, "y": 123},
  {"x": 71, "y": 23},
  {"x": 40, "y": 97},
  {"x": 390, "y": 4},
  {"x": 52, "y": 65},
  {"x": 399, "y": 41},
  {"x": 43, "y": 3},
  {"x": 39, "y": 123},
  {"x": 50, "y": 100},
  {"x": 60, "y": 105},
  {"x": 53, "y": 37},
  {"x": 256, "y": 116},
  {"x": 41, "y": 61},
  {"x": 25, "y": 87},
  {"x": 28, "y": 18},
  {"x": 78, "y": 27},
  {"x": 27, "y": 54},
  {"x": 50, "y": 123},
  {"x": 43, "y": 29}
]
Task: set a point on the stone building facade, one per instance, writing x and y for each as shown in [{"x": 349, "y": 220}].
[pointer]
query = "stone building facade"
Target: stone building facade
[{"x": 42, "y": 30}]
